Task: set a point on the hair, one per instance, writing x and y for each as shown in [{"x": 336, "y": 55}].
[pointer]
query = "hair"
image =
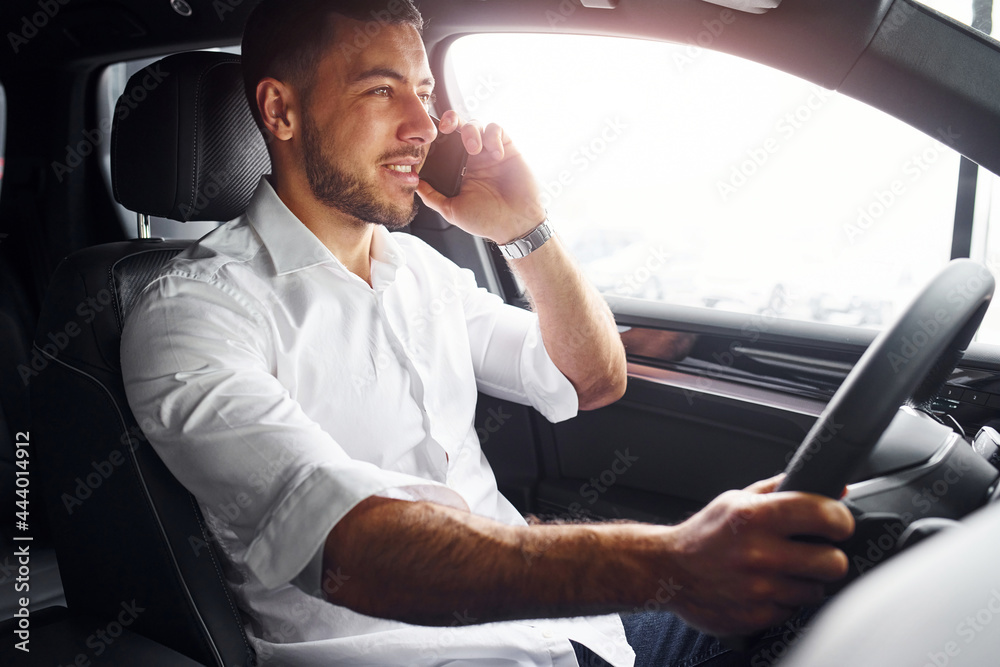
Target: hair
[{"x": 286, "y": 39}]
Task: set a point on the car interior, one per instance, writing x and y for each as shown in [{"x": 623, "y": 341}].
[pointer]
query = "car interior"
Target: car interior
[{"x": 122, "y": 569}]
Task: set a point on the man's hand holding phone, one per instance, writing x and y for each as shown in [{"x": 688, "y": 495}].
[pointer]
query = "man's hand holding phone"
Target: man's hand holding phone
[{"x": 498, "y": 197}]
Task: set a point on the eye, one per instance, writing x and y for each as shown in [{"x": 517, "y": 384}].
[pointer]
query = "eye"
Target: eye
[
  {"x": 428, "y": 99},
  {"x": 383, "y": 91}
]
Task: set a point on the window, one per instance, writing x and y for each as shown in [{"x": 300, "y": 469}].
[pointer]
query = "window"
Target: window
[
  {"x": 111, "y": 86},
  {"x": 984, "y": 16},
  {"x": 693, "y": 177}
]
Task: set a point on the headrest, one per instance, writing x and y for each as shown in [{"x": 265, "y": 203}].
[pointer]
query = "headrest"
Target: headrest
[{"x": 184, "y": 145}]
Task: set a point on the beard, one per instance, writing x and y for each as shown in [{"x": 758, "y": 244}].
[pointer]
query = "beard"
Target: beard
[{"x": 348, "y": 193}]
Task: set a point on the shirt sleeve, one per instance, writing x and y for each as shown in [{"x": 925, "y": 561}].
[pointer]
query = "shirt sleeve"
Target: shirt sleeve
[
  {"x": 508, "y": 355},
  {"x": 199, "y": 375},
  {"x": 510, "y": 358}
]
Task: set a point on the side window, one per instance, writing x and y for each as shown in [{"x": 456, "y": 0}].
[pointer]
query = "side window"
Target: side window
[
  {"x": 111, "y": 86},
  {"x": 679, "y": 174},
  {"x": 983, "y": 16}
]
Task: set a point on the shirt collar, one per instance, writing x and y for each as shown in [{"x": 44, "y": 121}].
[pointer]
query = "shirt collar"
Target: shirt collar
[
  {"x": 289, "y": 242},
  {"x": 293, "y": 247},
  {"x": 387, "y": 258}
]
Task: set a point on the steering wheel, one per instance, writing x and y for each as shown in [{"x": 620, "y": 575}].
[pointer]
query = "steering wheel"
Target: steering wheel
[{"x": 907, "y": 362}]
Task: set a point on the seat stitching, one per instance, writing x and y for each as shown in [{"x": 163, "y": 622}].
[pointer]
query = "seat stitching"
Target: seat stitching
[
  {"x": 119, "y": 310},
  {"x": 218, "y": 570},
  {"x": 204, "y": 635}
]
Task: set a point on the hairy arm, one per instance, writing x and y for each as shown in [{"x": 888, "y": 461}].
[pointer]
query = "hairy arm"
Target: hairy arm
[
  {"x": 730, "y": 569},
  {"x": 577, "y": 326},
  {"x": 428, "y": 564},
  {"x": 500, "y": 201}
]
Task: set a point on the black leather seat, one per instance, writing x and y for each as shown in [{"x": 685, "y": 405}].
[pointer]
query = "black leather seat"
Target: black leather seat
[{"x": 127, "y": 534}]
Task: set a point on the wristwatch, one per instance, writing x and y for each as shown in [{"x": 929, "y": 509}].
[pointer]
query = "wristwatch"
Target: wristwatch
[{"x": 528, "y": 243}]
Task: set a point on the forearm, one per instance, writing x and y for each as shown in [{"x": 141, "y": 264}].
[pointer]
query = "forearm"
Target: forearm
[
  {"x": 500, "y": 201},
  {"x": 428, "y": 564},
  {"x": 577, "y": 326}
]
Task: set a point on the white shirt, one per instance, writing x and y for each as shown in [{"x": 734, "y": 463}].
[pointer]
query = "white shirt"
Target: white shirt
[{"x": 282, "y": 390}]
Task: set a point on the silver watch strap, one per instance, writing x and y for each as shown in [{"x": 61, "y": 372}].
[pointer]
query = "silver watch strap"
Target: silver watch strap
[{"x": 528, "y": 243}]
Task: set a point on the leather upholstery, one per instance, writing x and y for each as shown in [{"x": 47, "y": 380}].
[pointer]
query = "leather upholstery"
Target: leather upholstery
[
  {"x": 55, "y": 641},
  {"x": 184, "y": 145},
  {"x": 125, "y": 531}
]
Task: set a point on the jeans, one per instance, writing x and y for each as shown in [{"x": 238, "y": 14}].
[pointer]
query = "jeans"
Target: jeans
[{"x": 661, "y": 639}]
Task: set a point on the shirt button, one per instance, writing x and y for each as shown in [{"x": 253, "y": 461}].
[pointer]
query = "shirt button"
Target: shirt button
[{"x": 547, "y": 634}]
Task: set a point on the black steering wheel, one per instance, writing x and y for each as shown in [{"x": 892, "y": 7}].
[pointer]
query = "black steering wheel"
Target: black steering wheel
[{"x": 907, "y": 362}]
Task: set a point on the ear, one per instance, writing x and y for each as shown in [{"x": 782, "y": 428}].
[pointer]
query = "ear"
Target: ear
[{"x": 276, "y": 104}]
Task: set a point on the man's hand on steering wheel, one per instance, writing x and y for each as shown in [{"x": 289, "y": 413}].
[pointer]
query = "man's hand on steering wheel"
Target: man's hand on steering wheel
[{"x": 743, "y": 571}]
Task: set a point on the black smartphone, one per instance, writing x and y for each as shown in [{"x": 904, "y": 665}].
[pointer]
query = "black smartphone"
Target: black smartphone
[{"x": 445, "y": 164}]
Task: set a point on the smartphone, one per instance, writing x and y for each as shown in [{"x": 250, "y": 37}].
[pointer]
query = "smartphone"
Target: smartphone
[{"x": 445, "y": 164}]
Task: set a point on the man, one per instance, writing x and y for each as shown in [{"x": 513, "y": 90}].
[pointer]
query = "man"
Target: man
[{"x": 314, "y": 386}]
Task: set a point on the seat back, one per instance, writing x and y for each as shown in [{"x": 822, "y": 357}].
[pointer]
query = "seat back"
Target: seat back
[{"x": 131, "y": 541}]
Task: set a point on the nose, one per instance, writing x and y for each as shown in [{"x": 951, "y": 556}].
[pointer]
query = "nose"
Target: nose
[{"x": 417, "y": 127}]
